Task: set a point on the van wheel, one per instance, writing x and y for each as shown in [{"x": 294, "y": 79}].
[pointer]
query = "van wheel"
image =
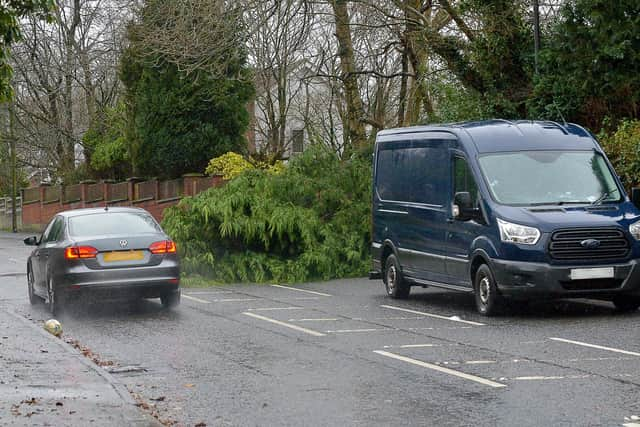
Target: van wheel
[
  {"x": 394, "y": 283},
  {"x": 488, "y": 301},
  {"x": 626, "y": 304}
]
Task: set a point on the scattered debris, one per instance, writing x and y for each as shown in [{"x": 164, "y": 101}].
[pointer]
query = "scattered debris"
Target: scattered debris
[
  {"x": 189, "y": 385},
  {"x": 152, "y": 410},
  {"x": 201, "y": 424},
  {"x": 158, "y": 399},
  {"x": 86, "y": 352}
]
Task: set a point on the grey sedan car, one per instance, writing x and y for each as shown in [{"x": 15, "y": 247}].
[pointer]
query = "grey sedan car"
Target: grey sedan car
[{"x": 108, "y": 253}]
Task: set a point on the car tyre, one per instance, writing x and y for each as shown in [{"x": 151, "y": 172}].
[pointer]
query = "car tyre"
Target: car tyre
[
  {"x": 54, "y": 298},
  {"x": 626, "y": 303},
  {"x": 488, "y": 300},
  {"x": 394, "y": 283},
  {"x": 170, "y": 300},
  {"x": 33, "y": 298}
]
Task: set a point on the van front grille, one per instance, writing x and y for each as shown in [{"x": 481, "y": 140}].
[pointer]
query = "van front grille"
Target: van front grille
[{"x": 588, "y": 244}]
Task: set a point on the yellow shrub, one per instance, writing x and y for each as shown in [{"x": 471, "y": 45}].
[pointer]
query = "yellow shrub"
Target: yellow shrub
[
  {"x": 232, "y": 164},
  {"x": 228, "y": 165}
]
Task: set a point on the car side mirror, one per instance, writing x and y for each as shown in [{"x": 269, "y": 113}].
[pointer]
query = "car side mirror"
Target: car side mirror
[
  {"x": 463, "y": 209},
  {"x": 31, "y": 241},
  {"x": 635, "y": 196}
]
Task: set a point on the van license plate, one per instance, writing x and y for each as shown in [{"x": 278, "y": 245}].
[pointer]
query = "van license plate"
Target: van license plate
[
  {"x": 592, "y": 273},
  {"x": 123, "y": 256}
]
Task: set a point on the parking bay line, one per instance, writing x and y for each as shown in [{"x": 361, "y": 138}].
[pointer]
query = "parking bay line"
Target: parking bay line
[
  {"x": 600, "y": 347},
  {"x": 291, "y": 288},
  {"x": 441, "y": 369},
  {"x": 196, "y": 299},
  {"x": 286, "y": 325},
  {"x": 437, "y": 316}
]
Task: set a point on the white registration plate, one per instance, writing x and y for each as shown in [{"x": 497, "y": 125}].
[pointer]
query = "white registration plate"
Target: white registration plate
[{"x": 592, "y": 273}]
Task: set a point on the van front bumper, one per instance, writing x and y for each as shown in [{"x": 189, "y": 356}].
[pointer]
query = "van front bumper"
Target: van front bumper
[{"x": 527, "y": 279}]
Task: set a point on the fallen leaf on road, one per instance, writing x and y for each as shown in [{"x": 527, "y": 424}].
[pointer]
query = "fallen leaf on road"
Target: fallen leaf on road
[{"x": 189, "y": 385}]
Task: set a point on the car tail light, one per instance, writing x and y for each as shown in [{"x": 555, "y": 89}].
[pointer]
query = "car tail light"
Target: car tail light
[
  {"x": 80, "y": 252},
  {"x": 163, "y": 247}
]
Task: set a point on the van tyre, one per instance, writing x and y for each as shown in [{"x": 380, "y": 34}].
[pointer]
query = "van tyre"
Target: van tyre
[
  {"x": 394, "y": 283},
  {"x": 626, "y": 303},
  {"x": 170, "y": 300},
  {"x": 488, "y": 300}
]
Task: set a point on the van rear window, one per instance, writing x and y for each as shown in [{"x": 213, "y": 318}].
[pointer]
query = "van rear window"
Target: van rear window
[
  {"x": 112, "y": 223},
  {"x": 416, "y": 175}
]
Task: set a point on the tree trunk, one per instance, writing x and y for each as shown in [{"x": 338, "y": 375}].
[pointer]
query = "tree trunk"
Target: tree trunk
[{"x": 355, "y": 130}]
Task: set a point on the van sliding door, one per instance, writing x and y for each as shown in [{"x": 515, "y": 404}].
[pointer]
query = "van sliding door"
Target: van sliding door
[{"x": 410, "y": 203}]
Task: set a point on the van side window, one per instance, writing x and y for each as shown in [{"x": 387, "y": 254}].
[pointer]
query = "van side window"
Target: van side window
[
  {"x": 463, "y": 180},
  {"x": 414, "y": 174}
]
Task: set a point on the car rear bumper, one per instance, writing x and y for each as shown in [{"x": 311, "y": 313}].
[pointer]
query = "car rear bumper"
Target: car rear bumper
[
  {"x": 142, "y": 282},
  {"x": 526, "y": 279}
]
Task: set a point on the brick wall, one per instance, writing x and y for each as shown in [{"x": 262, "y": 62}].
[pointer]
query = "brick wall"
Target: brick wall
[{"x": 45, "y": 201}]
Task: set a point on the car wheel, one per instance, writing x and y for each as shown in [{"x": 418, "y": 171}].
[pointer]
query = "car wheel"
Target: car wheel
[
  {"x": 55, "y": 302},
  {"x": 170, "y": 300},
  {"x": 33, "y": 298},
  {"x": 488, "y": 300},
  {"x": 626, "y": 304},
  {"x": 394, "y": 282}
]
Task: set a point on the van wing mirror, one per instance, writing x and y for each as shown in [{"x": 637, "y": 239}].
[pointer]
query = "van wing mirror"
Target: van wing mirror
[
  {"x": 463, "y": 208},
  {"x": 31, "y": 241},
  {"x": 635, "y": 196}
]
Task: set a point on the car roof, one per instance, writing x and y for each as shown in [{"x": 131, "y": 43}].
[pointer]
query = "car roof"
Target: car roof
[
  {"x": 91, "y": 211},
  {"x": 504, "y": 135}
]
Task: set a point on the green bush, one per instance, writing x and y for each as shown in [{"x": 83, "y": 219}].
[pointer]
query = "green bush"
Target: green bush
[
  {"x": 623, "y": 149},
  {"x": 311, "y": 221}
]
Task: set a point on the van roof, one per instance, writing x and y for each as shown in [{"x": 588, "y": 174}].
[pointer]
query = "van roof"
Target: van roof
[{"x": 504, "y": 135}]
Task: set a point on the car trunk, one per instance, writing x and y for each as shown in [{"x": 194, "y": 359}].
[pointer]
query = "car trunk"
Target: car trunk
[{"x": 122, "y": 251}]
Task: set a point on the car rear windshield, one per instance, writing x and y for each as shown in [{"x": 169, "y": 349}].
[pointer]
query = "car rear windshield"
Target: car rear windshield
[
  {"x": 112, "y": 223},
  {"x": 549, "y": 177}
]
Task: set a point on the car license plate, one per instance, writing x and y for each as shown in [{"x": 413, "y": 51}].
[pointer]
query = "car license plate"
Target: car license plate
[
  {"x": 592, "y": 273},
  {"x": 123, "y": 256}
]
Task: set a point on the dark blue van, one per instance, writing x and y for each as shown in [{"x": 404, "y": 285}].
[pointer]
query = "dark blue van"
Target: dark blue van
[{"x": 504, "y": 210}]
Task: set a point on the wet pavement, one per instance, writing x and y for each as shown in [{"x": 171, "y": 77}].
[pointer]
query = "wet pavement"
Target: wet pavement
[
  {"x": 43, "y": 380},
  {"x": 341, "y": 353}
]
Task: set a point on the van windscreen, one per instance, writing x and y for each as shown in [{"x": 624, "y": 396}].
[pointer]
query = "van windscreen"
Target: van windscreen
[{"x": 549, "y": 177}]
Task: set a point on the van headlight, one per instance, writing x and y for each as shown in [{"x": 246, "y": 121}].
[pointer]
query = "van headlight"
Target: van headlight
[
  {"x": 634, "y": 229},
  {"x": 522, "y": 234}
]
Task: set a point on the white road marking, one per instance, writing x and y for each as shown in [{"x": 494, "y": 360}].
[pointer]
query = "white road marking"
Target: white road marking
[
  {"x": 480, "y": 362},
  {"x": 437, "y": 316},
  {"x": 553, "y": 377},
  {"x": 196, "y": 299},
  {"x": 286, "y": 325},
  {"x": 441, "y": 369},
  {"x": 235, "y": 300},
  {"x": 276, "y": 308},
  {"x": 210, "y": 292},
  {"x": 419, "y": 345},
  {"x": 600, "y": 347},
  {"x": 631, "y": 425},
  {"x": 346, "y": 331},
  {"x": 325, "y": 319},
  {"x": 302, "y": 290}
]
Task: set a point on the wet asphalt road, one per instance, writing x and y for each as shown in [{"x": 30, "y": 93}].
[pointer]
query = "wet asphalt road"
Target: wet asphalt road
[{"x": 341, "y": 353}]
